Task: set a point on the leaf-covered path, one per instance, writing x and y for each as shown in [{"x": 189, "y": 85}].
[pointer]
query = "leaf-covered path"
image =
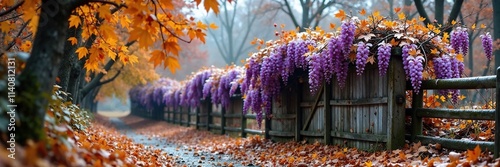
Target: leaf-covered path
[
  {"x": 193, "y": 147},
  {"x": 184, "y": 155}
]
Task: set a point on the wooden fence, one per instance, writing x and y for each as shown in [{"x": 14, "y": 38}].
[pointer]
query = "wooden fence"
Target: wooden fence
[
  {"x": 417, "y": 112},
  {"x": 368, "y": 113},
  {"x": 215, "y": 118}
]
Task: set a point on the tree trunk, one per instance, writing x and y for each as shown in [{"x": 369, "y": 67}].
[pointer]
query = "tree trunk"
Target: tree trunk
[
  {"x": 496, "y": 29},
  {"x": 69, "y": 60},
  {"x": 37, "y": 79},
  {"x": 439, "y": 9}
]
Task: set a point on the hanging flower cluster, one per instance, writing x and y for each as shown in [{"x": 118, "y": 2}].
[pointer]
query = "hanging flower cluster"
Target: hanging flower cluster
[
  {"x": 151, "y": 95},
  {"x": 215, "y": 84}
]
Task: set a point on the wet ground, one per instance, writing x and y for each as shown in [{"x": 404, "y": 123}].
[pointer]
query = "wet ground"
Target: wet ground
[{"x": 184, "y": 155}]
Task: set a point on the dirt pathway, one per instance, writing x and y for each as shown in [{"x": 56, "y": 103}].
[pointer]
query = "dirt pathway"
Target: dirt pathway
[{"x": 184, "y": 155}]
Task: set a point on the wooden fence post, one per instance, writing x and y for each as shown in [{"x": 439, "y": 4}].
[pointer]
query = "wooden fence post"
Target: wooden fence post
[
  {"x": 243, "y": 125},
  {"x": 197, "y": 124},
  {"x": 497, "y": 116},
  {"x": 209, "y": 114},
  {"x": 175, "y": 114},
  {"x": 168, "y": 114},
  {"x": 223, "y": 120},
  {"x": 189, "y": 117},
  {"x": 267, "y": 128},
  {"x": 328, "y": 113},
  {"x": 298, "y": 117},
  {"x": 396, "y": 93},
  {"x": 416, "y": 121}
]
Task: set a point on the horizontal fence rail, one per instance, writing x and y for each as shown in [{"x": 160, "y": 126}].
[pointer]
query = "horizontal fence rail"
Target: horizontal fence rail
[{"x": 417, "y": 112}]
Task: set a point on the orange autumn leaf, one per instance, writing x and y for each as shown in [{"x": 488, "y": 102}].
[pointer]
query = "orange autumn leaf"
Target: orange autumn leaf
[
  {"x": 74, "y": 21},
  {"x": 73, "y": 40},
  {"x": 172, "y": 63},
  {"x": 82, "y": 52},
  {"x": 157, "y": 57},
  {"x": 362, "y": 12},
  {"x": 340, "y": 14},
  {"x": 332, "y": 26},
  {"x": 396, "y": 10},
  {"x": 473, "y": 155},
  {"x": 142, "y": 36},
  {"x": 211, "y": 4},
  {"x": 368, "y": 163}
]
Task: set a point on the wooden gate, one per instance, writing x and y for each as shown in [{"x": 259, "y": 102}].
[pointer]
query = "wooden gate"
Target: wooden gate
[{"x": 368, "y": 113}]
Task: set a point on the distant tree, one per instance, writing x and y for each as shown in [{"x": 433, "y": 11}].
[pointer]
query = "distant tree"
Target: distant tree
[
  {"x": 237, "y": 23},
  {"x": 439, "y": 8},
  {"x": 312, "y": 12}
]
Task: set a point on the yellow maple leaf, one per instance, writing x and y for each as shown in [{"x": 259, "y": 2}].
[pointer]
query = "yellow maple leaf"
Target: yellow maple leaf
[
  {"x": 213, "y": 26},
  {"x": 74, "y": 21},
  {"x": 82, "y": 52},
  {"x": 442, "y": 98},
  {"x": 211, "y": 4},
  {"x": 445, "y": 37},
  {"x": 108, "y": 32},
  {"x": 6, "y": 26},
  {"x": 201, "y": 25},
  {"x": 172, "y": 63},
  {"x": 421, "y": 19},
  {"x": 91, "y": 66},
  {"x": 368, "y": 164},
  {"x": 340, "y": 14},
  {"x": 73, "y": 40},
  {"x": 483, "y": 26},
  {"x": 460, "y": 57},
  {"x": 473, "y": 27},
  {"x": 389, "y": 24},
  {"x": 453, "y": 22},
  {"x": 401, "y": 16},
  {"x": 133, "y": 59},
  {"x": 434, "y": 51},
  {"x": 105, "y": 12}
]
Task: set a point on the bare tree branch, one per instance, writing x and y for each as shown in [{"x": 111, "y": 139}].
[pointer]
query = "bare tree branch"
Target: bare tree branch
[
  {"x": 422, "y": 12},
  {"x": 12, "y": 8}
]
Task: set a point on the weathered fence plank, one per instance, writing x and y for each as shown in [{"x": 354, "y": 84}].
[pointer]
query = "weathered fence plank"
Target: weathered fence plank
[
  {"x": 482, "y": 82},
  {"x": 396, "y": 117},
  {"x": 472, "y": 114}
]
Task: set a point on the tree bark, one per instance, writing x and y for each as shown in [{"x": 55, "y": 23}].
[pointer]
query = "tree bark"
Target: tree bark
[
  {"x": 69, "y": 60},
  {"x": 37, "y": 79}
]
